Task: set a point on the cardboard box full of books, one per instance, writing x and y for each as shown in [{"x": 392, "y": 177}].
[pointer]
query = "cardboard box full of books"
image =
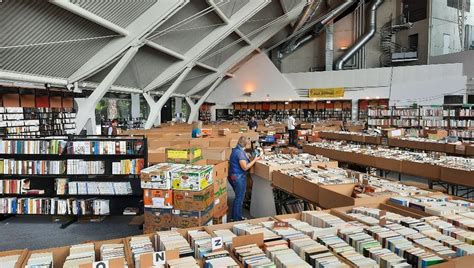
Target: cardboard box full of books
[
  {"x": 193, "y": 200},
  {"x": 157, "y": 198},
  {"x": 193, "y": 178},
  {"x": 156, "y": 219},
  {"x": 184, "y": 155},
  {"x": 186, "y": 219}
]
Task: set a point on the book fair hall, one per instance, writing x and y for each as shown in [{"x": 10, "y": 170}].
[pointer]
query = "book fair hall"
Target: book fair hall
[{"x": 237, "y": 134}]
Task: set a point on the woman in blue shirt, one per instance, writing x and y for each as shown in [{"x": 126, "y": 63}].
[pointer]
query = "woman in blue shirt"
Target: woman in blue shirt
[
  {"x": 197, "y": 130},
  {"x": 239, "y": 164}
]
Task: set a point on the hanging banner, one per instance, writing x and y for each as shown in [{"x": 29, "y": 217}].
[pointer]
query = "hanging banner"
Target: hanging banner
[{"x": 331, "y": 92}]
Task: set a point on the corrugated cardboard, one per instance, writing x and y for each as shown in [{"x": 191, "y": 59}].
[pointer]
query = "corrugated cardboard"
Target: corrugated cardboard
[
  {"x": 165, "y": 196},
  {"x": 457, "y": 176},
  {"x": 219, "y": 142},
  {"x": 333, "y": 196},
  {"x": 113, "y": 263},
  {"x": 186, "y": 219},
  {"x": 22, "y": 252},
  {"x": 388, "y": 164},
  {"x": 184, "y": 155},
  {"x": 266, "y": 171},
  {"x": 306, "y": 189},
  {"x": 422, "y": 170},
  {"x": 193, "y": 200},
  {"x": 283, "y": 181},
  {"x": 59, "y": 255},
  {"x": 200, "y": 143},
  {"x": 157, "y": 219},
  {"x": 220, "y": 205},
  {"x": 214, "y": 153}
]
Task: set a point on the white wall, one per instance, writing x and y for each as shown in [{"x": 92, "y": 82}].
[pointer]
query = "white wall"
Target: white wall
[
  {"x": 404, "y": 85},
  {"x": 258, "y": 76}
]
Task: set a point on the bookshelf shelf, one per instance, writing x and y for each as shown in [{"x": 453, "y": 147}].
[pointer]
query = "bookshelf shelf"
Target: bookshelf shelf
[{"x": 130, "y": 157}]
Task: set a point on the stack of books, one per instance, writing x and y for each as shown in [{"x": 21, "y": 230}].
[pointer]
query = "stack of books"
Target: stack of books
[
  {"x": 227, "y": 236},
  {"x": 9, "y": 261},
  {"x": 183, "y": 262},
  {"x": 140, "y": 245},
  {"x": 219, "y": 259},
  {"x": 248, "y": 229},
  {"x": 79, "y": 166},
  {"x": 31, "y": 167},
  {"x": 96, "y": 188},
  {"x": 43, "y": 260},
  {"x": 112, "y": 251},
  {"x": 80, "y": 254},
  {"x": 252, "y": 256},
  {"x": 169, "y": 240}
]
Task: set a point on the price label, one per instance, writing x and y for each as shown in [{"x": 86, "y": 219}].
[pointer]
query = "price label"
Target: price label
[
  {"x": 280, "y": 224},
  {"x": 100, "y": 264},
  {"x": 158, "y": 202},
  {"x": 217, "y": 243},
  {"x": 159, "y": 258}
]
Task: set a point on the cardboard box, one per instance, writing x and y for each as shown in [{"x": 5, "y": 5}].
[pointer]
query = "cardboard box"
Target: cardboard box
[
  {"x": 457, "y": 176},
  {"x": 206, "y": 131},
  {"x": 157, "y": 198},
  {"x": 224, "y": 132},
  {"x": 183, "y": 156},
  {"x": 193, "y": 178},
  {"x": 392, "y": 132},
  {"x": 22, "y": 252},
  {"x": 220, "y": 206},
  {"x": 157, "y": 219},
  {"x": 219, "y": 220},
  {"x": 199, "y": 143},
  {"x": 422, "y": 170},
  {"x": 221, "y": 170},
  {"x": 186, "y": 219},
  {"x": 214, "y": 153},
  {"x": 156, "y": 156},
  {"x": 333, "y": 196},
  {"x": 388, "y": 164},
  {"x": 470, "y": 150},
  {"x": 160, "y": 176},
  {"x": 265, "y": 171},
  {"x": 219, "y": 142},
  {"x": 193, "y": 200},
  {"x": 59, "y": 255},
  {"x": 118, "y": 262},
  {"x": 283, "y": 181},
  {"x": 306, "y": 189},
  {"x": 436, "y": 134},
  {"x": 372, "y": 140}
]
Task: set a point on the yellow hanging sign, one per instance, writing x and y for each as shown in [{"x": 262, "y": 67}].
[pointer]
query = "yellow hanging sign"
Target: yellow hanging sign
[{"x": 331, "y": 92}]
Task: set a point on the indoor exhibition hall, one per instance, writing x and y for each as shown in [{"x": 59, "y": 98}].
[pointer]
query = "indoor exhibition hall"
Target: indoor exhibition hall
[{"x": 237, "y": 134}]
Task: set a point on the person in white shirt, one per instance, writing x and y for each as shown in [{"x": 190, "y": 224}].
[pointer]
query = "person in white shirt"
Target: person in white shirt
[{"x": 291, "y": 130}]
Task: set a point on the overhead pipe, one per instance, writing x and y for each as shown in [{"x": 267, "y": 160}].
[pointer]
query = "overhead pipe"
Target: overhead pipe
[
  {"x": 327, "y": 18},
  {"x": 362, "y": 40},
  {"x": 308, "y": 12}
]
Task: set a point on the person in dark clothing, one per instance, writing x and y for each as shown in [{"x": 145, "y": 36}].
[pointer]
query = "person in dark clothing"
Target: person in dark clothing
[
  {"x": 252, "y": 124},
  {"x": 112, "y": 131}
]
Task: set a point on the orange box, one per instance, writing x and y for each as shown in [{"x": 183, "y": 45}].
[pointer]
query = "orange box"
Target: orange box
[{"x": 157, "y": 198}]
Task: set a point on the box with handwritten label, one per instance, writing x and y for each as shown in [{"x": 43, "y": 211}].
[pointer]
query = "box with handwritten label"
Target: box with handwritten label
[{"x": 184, "y": 155}]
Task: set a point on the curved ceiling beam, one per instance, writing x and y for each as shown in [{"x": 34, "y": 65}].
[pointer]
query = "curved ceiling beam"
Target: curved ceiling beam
[
  {"x": 257, "y": 41},
  {"x": 67, "y": 5},
  {"x": 138, "y": 30},
  {"x": 208, "y": 42}
]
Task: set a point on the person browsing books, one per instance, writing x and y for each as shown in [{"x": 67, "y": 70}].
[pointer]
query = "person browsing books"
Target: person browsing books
[
  {"x": 197, "y": 130},
  {"x": 252, "y": 124},
  {"x": 112, "y": 131},
  {"x": 239, "y": 164},
  {"x": 291, "y": 130}
]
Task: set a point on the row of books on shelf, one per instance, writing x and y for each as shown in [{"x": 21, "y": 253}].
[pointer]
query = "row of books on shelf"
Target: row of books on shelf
[
  {"x": 66, "y": 187},
  {"x": 17, "y": 187},
  {"x": 132, "y": 146},
  {"x": 58, "y": 146},
  {"x": 54, "y": 206},
  {"x": 70, "y": 166}
]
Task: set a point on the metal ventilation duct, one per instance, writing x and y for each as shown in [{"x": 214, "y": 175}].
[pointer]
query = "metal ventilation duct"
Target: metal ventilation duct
[
  {"x": 363, "y": 39},
  {"x": 318, "y": 27}
]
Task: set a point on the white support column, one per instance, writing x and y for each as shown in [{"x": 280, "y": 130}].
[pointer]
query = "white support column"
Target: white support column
[
  {"x": 195, "y": 107},
  {"x": 178, "y": 105},
  {"x": 155, "y": 108},
  {"x": 87, "y": 111},
  {"x": 208, "y": 42},
  {"x": 355, "y": 109},
  {"x": 135, "y": 105}
]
